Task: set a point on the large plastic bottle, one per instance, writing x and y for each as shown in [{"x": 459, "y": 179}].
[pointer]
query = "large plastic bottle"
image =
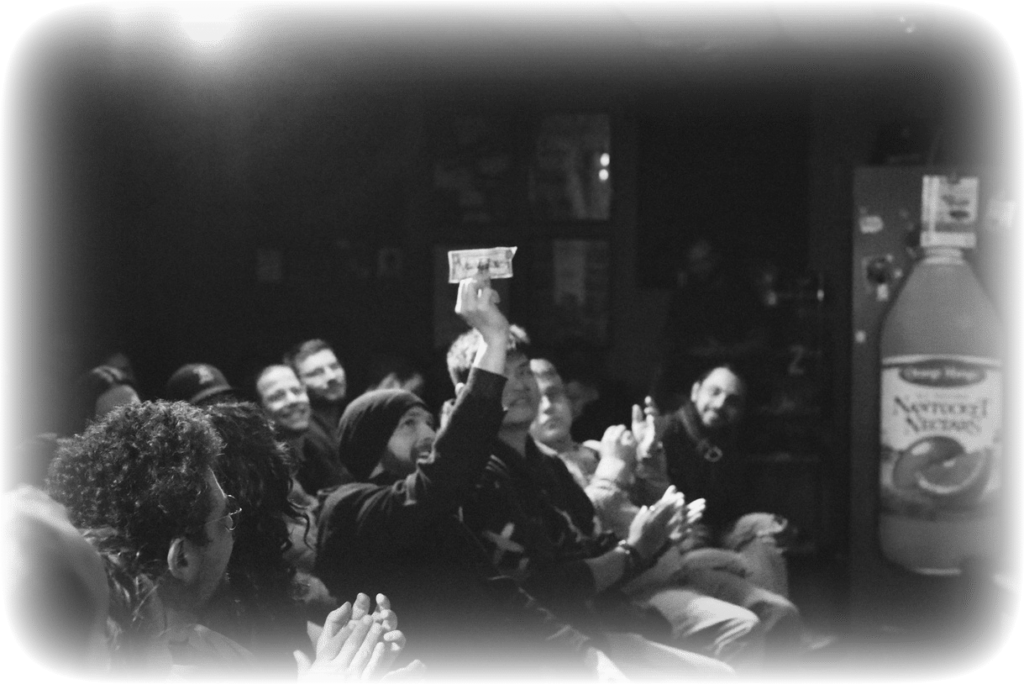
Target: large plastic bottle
[{"x": 941, "y": 418}]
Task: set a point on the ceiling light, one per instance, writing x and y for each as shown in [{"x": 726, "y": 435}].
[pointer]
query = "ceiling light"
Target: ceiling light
[{"x": 207, "y": 24}]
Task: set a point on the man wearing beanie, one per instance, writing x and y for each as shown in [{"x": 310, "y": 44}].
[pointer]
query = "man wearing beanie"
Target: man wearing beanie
[{"x": 398, "y": 530}]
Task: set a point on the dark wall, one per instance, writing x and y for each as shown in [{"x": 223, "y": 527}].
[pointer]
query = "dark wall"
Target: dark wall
[
  {"x": 728, "y": 161},
  {"x": 161, "y": 178}
]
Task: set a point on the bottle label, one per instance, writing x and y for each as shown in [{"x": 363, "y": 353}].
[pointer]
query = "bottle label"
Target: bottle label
[{"x": 941, "y": 419}]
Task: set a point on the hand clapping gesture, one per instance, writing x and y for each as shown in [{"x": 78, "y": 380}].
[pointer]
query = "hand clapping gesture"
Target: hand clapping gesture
[{"x": 357, "y": 645}]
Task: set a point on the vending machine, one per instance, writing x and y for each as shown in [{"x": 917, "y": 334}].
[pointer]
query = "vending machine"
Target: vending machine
[{"x": 927, "y": 465}]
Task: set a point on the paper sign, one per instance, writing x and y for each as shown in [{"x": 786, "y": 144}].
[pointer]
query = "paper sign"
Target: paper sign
[{"x": 949, "y": 211}]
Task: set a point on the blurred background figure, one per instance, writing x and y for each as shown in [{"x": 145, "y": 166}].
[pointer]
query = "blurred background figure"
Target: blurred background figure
[
  {"x": 55, "y": 588},
  {"x": 715, "y": 316},
  {"x": 98, "y": 392},
  {"x": 95, "y": 394},
  {"x": 596, "y": 400},
  {"x": 397, "y": 372}
]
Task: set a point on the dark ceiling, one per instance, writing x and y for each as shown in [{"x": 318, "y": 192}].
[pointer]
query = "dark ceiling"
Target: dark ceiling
[{"x": 592, "y": 43}]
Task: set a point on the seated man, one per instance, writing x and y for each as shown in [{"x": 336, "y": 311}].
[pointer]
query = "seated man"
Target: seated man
[
  {"x": 695, "y": 449},
  {"x": 399, "y": 527},
  {"x": 54, "y": 588},
  {"x": 317, "y": 367},
  {"x": 706, "y": 575},
  {"x": 538, "y": 524},
  {"x": 144, "y": 474}
]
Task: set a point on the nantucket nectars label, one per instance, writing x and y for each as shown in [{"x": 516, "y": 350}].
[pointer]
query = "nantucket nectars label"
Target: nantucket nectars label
[{"x": 940, "y": 434}]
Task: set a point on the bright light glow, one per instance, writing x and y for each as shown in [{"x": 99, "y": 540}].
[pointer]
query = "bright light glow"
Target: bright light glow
[
  {"x": 206, "y": 23},
  {"x": 606, "y": 159},
  {"x": 602, "y": 175}
]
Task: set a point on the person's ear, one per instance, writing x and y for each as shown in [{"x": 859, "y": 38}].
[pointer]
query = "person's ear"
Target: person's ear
[
  {"x": 693, "y": 391},
  {"x": 181, "y": 561},
  {"x": 459, "y": 386}
]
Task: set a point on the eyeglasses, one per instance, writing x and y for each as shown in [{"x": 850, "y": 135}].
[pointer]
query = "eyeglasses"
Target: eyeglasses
[{"x": 233, "y": 509}]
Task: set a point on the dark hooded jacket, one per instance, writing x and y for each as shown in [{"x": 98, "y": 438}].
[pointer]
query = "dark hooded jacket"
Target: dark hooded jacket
[{"x": 404, "y": 537}]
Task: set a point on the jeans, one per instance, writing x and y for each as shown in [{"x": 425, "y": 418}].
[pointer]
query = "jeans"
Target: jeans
[{"x": 730, "y": 603}]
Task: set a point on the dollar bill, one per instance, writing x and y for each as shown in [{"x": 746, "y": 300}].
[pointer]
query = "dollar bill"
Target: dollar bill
[{"x": 495, "y": 262}]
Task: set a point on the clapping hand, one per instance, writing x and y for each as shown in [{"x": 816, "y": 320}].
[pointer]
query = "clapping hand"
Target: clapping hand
[
  {"x": 651, "y": 527},
  {"x": 355, "y": 644},
  {"x": 619, "y": 444},
  {"x": 683, "y": 520},
  {"x": 648, "y": 427}
]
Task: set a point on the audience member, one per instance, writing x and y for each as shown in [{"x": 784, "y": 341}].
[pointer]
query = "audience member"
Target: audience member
[
  {"x": 695, "y": 449},
  {"x": 199, "y": 384},
  {"x": 399, "y": 527},
  {"x": 553, "y": 425},
  {"x": 396, "y": 372},
  {"x": 319, "y": 370},
  {"x": 594, "y": 398},
  {"x": 54, "y": 587},
  {"x": 538, "y": 525},
  {"x": 260, "y": 607},
  {"x": 688, "y": 586},
  {"x": 97, "y": 393},
  {"x": 94, "y": 394},
  {"x": 286, "y": 403},
  {"x": 144, "y": 474}
]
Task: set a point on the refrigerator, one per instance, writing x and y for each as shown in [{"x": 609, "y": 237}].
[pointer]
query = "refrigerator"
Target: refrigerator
[{"x": 886, "y": 222}]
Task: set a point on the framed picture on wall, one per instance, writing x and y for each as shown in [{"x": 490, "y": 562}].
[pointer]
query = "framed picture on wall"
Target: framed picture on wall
[
  {"x": 570, "y": 292},
  {"x": 570, "y": 168},
  {"x": 473, "y": 170}
]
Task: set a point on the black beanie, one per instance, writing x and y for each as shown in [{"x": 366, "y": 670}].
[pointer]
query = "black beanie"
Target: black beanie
[{"x": 367, "y": 425}]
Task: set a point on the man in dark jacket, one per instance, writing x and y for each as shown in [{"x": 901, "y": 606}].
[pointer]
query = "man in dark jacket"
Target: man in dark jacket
[
  {"x": 698, "y": 455},
  {"x": 538, "y": 525},
  {"x": 399, "y": 530}
]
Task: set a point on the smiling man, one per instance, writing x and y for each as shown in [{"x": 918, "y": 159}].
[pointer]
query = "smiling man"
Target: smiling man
[
  {"x": 286, "y": 403},
  {"x": 318, "y": 368}
]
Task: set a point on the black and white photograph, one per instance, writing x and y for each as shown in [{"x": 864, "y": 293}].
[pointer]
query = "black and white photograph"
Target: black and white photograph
[{"x": 687, "y": 333}]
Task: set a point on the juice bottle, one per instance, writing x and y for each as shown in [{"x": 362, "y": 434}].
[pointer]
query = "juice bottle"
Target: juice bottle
[{"x": 941, "y": 417}]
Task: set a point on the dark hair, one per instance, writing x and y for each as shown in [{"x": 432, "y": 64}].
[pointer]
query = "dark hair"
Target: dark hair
[
  {"x": 142, "y": 471},
  {"x": 255, "y": 468},
  {"x": 725, "y": 366},
  {"x": 132, "y": 619},
  {"x": 89, "y": 387},
  {"x": 297, "y": 354},
  {"x": 463, "y": 351}
]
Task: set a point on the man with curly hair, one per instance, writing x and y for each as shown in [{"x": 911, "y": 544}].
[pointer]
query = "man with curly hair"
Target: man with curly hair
[{"x": 144, "y": 472}]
